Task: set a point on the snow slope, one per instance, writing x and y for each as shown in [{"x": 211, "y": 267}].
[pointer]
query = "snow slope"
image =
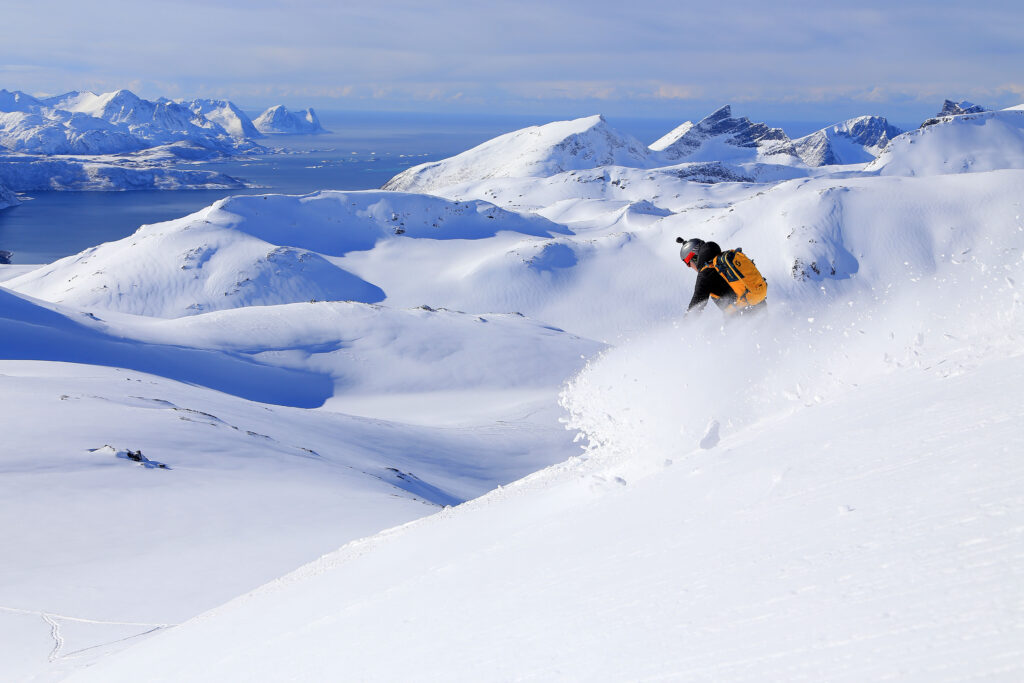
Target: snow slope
[
  {"x": 958, "y": 144},
  {"x": 262, "y": 250},
  {"x": 829, "y": 491},
  {"x": 535, "y": 151}
]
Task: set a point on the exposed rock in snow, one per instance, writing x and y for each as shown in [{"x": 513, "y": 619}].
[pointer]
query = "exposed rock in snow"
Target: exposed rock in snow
[
  {"x": 236, "y": 122},
  {"x": 720, "y": 137},
  {"x": 951, "y": 108},
  {"x": 537, "y": 151},
  {"x": 964, "y": 143},
  {"x": 855, "y": 141},
  {"x": 278, "y": 120},
  {"x": 709, "y": 172}
]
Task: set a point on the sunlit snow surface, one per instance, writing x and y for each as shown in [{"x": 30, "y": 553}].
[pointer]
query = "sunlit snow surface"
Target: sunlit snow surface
[{"x": 829, "y": 491}]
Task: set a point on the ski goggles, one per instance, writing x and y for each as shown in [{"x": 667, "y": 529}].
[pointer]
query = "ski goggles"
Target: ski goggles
[{"x": 689, "y": 257}]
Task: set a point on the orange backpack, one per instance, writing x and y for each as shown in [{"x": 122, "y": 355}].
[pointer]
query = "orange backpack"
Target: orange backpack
[{"x": 743, "y": 276}]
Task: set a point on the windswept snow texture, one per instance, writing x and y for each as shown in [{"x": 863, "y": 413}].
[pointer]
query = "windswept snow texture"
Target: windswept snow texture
[
  {"x": 830, "y": 490},
  {"x": 278, "y": 120},
  {"x": 537, "y": 151}
]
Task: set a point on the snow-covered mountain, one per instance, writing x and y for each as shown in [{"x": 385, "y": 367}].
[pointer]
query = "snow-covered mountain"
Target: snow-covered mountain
[
  {"x": 721, "y": 137},
  {"x": 279, "y": 121},
  {"x": 855, "y": 141},
  {"x": 18, "y": 101},
  {"x": 227, "y": 115},
  {"x": 965, "y": 143},
  {"x": 537, "y": 151},
  {"x": 109, "y": 123},
  {"x": 830, "y": 491}
]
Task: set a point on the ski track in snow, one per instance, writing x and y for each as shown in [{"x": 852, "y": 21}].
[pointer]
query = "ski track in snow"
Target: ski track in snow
[{"x": 53, "y": 621}]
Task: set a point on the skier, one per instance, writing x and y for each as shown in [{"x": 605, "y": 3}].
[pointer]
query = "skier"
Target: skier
[{"x": 730, "y": 278}]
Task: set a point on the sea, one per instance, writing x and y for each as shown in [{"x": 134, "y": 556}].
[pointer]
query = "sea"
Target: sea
[{"x": 361, "y": 151}]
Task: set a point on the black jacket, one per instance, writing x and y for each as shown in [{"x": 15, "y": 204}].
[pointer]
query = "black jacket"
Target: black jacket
[{"x": 709, "y": 281}]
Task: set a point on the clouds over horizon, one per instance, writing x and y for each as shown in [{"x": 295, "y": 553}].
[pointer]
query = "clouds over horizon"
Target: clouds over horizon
[{"x": 641, "y": 58}]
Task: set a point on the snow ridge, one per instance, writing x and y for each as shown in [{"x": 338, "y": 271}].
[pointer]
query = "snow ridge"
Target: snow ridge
[{"x": 537, "y": 151}]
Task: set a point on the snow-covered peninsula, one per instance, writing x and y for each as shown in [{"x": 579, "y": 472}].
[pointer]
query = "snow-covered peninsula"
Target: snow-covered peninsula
[{"x": 460, "y": 428}]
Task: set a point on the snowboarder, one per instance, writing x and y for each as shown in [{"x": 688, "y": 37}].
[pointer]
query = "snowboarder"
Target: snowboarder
[{"x": 730, "y": 278}]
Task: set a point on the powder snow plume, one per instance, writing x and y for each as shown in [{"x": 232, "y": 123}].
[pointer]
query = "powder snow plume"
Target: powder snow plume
[{"x": 698, "y": 379}]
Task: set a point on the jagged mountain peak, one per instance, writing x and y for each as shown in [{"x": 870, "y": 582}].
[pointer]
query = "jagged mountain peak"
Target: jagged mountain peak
[
  {"x": 857, "y": 140},
  {"x": 719, "y": 135},
  {"x": 951, "y": 108}
]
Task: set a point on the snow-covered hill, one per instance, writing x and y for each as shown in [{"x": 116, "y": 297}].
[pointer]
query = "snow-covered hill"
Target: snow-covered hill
[
  {"x": 830, "y": 491},
  {"x": 856, "y": 141},
  {"x": 537, "y": 151},
  {"x": 264, "y": 250},
  {"x": 278, "y": 120}
]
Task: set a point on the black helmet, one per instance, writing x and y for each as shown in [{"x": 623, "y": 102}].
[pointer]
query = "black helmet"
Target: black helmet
[{"x": 689, "y": 249}]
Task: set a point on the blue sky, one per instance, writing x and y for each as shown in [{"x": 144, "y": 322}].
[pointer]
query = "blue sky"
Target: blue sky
[{"x": 797, "y": 60}]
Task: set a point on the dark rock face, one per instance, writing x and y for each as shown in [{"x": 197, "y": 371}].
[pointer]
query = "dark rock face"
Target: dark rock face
[
  {"x": 871, "y": 133},
  {"x": 738, "y": 132}
]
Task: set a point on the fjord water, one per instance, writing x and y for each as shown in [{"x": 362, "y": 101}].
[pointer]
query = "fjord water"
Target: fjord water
[{"x": 362, "y": 151}]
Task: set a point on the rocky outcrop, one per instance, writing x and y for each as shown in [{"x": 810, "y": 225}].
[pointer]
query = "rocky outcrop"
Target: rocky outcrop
[
  {"x": 951, "y": 108},
  {"x": 721, "y": 135}
]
